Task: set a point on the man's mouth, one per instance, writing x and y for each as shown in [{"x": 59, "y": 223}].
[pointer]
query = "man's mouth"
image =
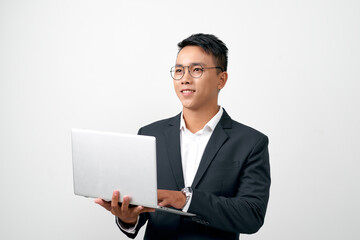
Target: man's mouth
[{"x": 187, "y": 91}]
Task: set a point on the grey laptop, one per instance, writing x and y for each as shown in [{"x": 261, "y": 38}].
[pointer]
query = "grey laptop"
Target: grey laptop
[{"x": 104, "y": 162}]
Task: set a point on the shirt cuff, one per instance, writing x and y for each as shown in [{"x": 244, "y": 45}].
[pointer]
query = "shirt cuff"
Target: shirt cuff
[
  {"x": 130, "y": 230},
  {"x": 187, "y": 205}
]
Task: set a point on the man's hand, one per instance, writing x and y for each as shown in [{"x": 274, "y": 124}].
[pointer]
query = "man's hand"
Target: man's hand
[
  {"x": 174, "y": 199},
  {"x": 128, "y": 215}
]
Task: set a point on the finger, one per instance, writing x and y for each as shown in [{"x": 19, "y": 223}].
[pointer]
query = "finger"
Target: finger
[
  {"x": 141, "y": 209},
  {"x": 161, "y": 194},
  {"x": 162, "y": 197},
  {"x": 125, "y": 203},
  {"x": 137, "y": 210},
  {"x": 146, "y": 209},
  {"x": 163, "y": 203},
  {"x": 103, "y": 203},
  {"x": 115, "y": 199}
]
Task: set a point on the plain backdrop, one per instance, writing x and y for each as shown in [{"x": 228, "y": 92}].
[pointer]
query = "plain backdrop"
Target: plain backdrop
[{"x": 294, "y": 72}]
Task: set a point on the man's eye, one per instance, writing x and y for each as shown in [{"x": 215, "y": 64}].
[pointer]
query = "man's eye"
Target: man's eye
[
  {"x": 178, "y": 70},
  {"x": 196, "y": 69}
]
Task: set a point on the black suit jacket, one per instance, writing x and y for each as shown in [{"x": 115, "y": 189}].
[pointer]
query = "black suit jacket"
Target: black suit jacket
[{"x": 230, "y": 189}]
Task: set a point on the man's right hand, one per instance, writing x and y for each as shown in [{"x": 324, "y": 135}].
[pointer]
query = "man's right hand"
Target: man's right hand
[{"x": 128, "y": 215}]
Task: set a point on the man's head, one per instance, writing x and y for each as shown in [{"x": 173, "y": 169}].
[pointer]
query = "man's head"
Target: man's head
[
  {"x": 200, "y": 72},
  {"x": 211, "y": 45}
]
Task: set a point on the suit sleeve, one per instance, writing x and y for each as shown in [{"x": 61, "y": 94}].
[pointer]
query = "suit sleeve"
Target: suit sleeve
[
  {"x": 142, "y": 220},
  {"x": 244, "y": 212}
]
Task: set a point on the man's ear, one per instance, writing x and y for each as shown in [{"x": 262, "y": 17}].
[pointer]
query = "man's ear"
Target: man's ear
[{"x": 222, "y": 80}]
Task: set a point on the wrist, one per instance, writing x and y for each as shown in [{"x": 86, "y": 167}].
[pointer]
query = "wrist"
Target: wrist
[
  {"x": 128, "y": 223},
  {"x": 129, "y": 228},
  {"x": 187, "y": 192}
]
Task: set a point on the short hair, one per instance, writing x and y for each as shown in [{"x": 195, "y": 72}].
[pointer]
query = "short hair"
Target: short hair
[{"x": 211, "y": 45}]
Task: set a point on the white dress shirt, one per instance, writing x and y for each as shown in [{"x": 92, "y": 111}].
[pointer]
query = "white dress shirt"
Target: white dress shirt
[{"x": 192, "y": 147}]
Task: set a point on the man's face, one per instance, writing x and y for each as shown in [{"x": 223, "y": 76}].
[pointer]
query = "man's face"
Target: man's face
[{"x": 198, "y": 93}]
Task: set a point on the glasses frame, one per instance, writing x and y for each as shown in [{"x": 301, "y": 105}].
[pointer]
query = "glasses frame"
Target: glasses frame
[{"x": 183, "y": 67}]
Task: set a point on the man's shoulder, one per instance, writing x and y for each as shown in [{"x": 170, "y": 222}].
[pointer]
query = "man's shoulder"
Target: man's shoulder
[
  {"x": 246, "y": 129},
  {"x": 238, "y": 128},
  {"x": 246, "y": 134},
  {"x": 161, "y": 124}
]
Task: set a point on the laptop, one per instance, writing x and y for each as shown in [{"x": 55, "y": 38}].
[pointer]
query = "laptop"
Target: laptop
[{"x": 105, "y": 161}]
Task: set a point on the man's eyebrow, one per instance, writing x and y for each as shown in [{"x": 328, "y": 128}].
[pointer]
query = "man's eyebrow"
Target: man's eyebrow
[
  {"x": 197, "y": 63},
  {"x": 194, "y": 63}
]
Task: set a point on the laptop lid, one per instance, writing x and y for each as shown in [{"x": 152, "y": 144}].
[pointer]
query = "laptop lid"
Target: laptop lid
[{"x": 104, "y": 162}]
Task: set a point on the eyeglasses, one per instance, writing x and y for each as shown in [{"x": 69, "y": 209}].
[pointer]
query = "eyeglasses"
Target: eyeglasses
[{"x": 195, "y": 70}]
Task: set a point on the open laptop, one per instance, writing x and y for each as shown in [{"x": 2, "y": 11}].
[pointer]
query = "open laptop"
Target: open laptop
[{"x": 104, "y": 162}]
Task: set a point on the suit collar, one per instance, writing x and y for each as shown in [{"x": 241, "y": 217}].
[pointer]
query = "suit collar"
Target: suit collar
[
  {"x": 216, "y": 141},
  {"x": 172, "y": 137},
  {"x": 225, "y": 121}
]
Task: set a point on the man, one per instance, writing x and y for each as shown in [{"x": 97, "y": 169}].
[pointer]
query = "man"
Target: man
[{"x": 208, "y": 164}]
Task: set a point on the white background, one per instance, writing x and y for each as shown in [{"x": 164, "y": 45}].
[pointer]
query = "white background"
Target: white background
[{"x": 294, "y": 71}]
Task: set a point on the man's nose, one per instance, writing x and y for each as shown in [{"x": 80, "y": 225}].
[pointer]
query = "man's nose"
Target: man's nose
[{"x": 187, "y": 78}]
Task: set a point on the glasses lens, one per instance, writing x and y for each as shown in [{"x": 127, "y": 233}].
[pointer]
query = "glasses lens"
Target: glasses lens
[
  {"x": 196, "y": 70},
  {"x": 177, "y": 72}
]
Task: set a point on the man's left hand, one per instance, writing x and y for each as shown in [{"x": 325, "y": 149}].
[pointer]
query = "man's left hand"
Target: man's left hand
[{"x": 169, "y": 198}]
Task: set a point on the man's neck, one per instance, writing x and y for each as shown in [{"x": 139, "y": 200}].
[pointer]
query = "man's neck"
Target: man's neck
[{"x": 195, "y": 120}]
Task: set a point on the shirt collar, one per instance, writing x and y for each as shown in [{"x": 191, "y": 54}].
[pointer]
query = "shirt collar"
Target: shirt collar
[{"x": 211, "y": 124}]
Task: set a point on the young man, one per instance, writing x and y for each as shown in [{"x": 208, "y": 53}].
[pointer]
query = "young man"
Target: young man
[{"x": 208, "y": 164}]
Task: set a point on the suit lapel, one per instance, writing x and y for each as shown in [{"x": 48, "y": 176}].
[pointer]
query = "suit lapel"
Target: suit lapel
[
  {"x": 217, "y": 139},
  {"x": 172, "y": 137}
]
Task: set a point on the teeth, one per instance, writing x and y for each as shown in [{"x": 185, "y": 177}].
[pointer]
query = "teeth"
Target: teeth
[{"x": 187, "y": 91}]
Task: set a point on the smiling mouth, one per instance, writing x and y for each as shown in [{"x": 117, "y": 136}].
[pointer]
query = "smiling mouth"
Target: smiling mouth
[{"x": 187, "y": 91}]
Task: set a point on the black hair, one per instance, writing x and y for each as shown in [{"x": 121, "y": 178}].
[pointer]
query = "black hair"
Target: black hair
[{"x": 211, "y": 45}]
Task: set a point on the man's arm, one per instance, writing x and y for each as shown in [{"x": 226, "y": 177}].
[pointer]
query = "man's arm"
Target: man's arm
[{"x": 243, "y": 213}]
